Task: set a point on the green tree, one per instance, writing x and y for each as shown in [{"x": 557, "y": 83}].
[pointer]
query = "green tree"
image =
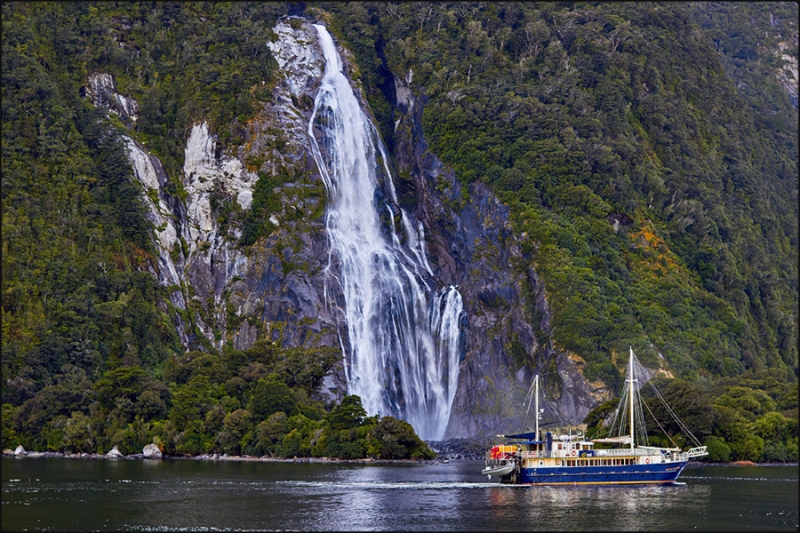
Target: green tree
[
  {"x": 717, "y": 450},
  {"x": 349, "y": 414},
  {"x": 271, "y": 395},
  {"x": 396, "y": 439},
  {"x": 235, "y": 427}
]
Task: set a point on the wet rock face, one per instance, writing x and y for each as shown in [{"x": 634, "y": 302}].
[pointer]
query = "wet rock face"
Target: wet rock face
[
  {"x": 471, "y": 244},
  {"x": 298, "y": 56},
  {"x": 282, "y": 291}
]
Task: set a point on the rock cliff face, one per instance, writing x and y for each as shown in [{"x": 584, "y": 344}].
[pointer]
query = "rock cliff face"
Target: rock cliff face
[
  {"x": 275, "y": 289},
  {"x": 472, "y": 245}
]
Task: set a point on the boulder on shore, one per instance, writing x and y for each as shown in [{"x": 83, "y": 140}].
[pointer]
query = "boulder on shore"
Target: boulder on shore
[
  {"x": 114, "y": 453},
  {"x": 20, "y": 450},
  {"x": 151, "y": 451}
]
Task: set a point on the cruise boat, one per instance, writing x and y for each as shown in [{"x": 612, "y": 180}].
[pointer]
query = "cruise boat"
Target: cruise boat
[{"x": 549, "y": 459}]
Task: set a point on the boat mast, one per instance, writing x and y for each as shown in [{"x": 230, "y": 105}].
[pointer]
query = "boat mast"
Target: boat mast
[
  {"x": 536, "y": 405},
  {"x": 630, "y": 393}
]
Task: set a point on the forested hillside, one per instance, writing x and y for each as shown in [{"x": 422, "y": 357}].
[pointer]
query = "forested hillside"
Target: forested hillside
[{"x": 647, "y": 151}]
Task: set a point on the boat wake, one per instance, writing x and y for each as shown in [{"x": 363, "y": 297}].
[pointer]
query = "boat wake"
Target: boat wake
[{"x": 402, "y": 485}]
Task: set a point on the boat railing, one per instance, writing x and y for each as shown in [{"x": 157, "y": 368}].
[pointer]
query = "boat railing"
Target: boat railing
[
  {"x": 623, "y": 451},
  {"x": 700, "y": 451},
  {"x": 543, "y": 454},
  {"x": 540, "y": 454}
]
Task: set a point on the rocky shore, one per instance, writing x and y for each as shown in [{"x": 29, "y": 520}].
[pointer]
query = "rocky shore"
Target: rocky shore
[{"x": 20, "y": 452}]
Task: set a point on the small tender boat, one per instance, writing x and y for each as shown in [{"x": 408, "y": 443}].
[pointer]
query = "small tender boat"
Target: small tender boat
[
  {"x": 573, "y": 459},
  {"x": 499, "y": 470}
]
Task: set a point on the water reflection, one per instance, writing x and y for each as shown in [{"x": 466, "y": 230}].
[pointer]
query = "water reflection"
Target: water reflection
[
  {"x": 611, "y": 508},
  {"x": 381, "y": 498}
]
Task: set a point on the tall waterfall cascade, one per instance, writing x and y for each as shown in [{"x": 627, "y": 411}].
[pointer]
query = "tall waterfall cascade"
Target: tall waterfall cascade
[{"x": 403, "y": 336}]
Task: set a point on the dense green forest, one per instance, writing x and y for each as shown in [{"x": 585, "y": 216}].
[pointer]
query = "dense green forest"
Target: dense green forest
[{"x": 646, "y": 150}]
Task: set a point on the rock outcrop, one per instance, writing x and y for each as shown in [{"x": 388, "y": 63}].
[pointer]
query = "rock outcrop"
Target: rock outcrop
[
  {"x": 20, "y": 451},
  {"x": 114, "y": 453},
  {"x": 152, "y": 451},
  {"x": 102, "y": 91}
]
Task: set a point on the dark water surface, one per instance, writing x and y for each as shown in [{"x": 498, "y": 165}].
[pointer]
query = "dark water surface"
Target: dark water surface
[{"x": 64, "y": 494}]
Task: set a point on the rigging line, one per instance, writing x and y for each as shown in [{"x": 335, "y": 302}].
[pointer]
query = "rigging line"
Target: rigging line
[
  {"x": 642, "y": 424},
  {"x": 530, "y": 393},
  {"x": 618, "y": 422},
  {"x": 659, "y": 424},
  {"x": 675, "y": 416},
  {"x": 677, "y": 419}
]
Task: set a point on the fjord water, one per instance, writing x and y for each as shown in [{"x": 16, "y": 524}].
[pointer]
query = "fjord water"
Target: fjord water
[
  {"x": 125, "y": 495},
  {"x": 403, "y": 334}
]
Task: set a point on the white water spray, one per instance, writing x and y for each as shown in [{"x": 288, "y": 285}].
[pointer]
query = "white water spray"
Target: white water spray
[{"x": 403, "y": 337}]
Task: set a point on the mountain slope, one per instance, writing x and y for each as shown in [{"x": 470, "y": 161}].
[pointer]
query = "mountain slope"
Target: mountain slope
[{"x": 663, "y": 208}]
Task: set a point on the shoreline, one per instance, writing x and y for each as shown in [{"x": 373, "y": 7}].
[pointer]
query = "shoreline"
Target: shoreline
[
  {"x": 737, "y": 463},
  {"x": 213, "y": 457},
  {"x": 268, "y": 459}
]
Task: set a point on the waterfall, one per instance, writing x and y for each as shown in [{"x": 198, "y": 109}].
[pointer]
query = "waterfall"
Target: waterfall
[{"x": 403, "y": 336}]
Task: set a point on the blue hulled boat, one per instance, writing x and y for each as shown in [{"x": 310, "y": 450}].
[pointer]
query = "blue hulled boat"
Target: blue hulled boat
[{"x": 530, "y": 458}]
